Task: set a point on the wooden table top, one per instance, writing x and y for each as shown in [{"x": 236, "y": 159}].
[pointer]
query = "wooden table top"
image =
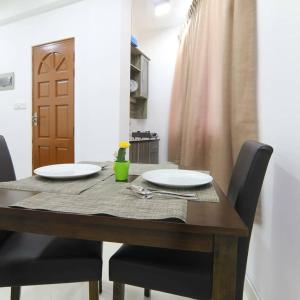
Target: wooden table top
[{"x": 204, "y": 220}]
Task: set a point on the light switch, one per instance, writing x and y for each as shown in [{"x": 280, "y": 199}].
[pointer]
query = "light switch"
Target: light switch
[{"x": 20, "y": 106}]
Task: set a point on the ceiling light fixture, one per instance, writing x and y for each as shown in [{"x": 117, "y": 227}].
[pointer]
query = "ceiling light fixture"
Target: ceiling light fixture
[{"x": 162, "y": 7}]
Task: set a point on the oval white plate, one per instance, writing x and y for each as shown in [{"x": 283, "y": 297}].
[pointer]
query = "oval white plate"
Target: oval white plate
[
  {"x": 67, "y": 171},
  {"x": 177, "y": 178}
]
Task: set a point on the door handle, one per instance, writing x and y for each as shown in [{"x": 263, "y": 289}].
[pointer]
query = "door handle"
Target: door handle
[{"x": 35, "y": 119}]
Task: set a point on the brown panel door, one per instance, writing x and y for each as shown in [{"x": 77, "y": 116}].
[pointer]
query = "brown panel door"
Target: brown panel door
[{"x": 53, "y": 103}]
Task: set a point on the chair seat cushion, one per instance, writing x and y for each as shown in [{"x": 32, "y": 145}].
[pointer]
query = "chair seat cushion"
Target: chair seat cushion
[
  {"x": 178, "y": 272},
  {"x": 31, "y": 259}
]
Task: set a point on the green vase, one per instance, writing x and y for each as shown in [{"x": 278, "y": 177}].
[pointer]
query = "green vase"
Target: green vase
[{"x": 121, "y": 169}]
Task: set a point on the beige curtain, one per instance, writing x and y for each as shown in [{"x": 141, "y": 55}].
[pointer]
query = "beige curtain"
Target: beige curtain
[{"x": 213, "y": 108}]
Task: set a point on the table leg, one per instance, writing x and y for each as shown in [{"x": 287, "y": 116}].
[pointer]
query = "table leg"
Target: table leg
[
  {"x": 15, "y": 293},
  {"x": 119, "y": 291},
  {"x": 93, "y": 290},
  {"x": 224, "y": 270}
]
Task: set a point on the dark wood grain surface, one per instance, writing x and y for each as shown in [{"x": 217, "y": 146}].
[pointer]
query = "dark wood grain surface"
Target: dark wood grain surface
[{"x": 204, "y": 220}]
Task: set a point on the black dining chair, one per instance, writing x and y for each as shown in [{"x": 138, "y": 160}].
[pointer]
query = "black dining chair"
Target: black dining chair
[
  {"x": 33, "y": 259},
  {"x": 7, "y": 171},
  {"x": 187, "y": 273}
]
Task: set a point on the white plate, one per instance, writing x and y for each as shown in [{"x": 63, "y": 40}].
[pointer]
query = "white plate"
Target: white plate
[
  {"x": 133, "y": 86},
  {"x": 177, "y": 178},
  {"x": 67, "y": 171}
]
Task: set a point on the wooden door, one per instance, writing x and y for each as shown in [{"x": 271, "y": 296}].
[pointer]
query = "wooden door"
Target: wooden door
[{"x": 53, "y": 103}]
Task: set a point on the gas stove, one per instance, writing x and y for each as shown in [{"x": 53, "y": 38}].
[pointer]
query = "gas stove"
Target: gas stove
[{"x": 144, "y": 135}]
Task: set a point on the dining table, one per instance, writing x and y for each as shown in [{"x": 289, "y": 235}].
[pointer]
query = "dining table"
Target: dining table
[{"x": 213, "y": 227}]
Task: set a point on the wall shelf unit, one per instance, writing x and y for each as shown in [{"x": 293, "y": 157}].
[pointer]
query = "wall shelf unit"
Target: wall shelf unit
[
  {"x": 134, "y": 68},
  {"x": 139, "y": 72}
]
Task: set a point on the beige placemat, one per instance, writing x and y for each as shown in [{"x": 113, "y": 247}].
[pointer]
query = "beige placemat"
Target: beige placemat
[
  {"x": 123, "y": 204},
  {"x": 114, "y": 198},
  {"x": 206, "y": 193},
  {"x": 75, "y": 187},
  {"x": 71, "y": 187},
  {"x": 109, "y": 185}
]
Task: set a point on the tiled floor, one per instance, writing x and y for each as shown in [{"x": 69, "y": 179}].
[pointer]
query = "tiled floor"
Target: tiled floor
[{"x": 79, "y": 291}]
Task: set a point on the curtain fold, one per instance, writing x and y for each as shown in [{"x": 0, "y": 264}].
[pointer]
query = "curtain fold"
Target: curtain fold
[{"x": 213, "y": 107}]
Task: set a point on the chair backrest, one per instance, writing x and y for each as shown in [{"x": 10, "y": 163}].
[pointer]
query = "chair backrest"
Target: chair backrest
[
  {"x": 244, "y": 189},
  {"x": 7, "y": 172}
]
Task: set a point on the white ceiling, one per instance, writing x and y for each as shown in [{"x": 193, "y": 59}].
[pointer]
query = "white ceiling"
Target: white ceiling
[
  {"x": 144, "y": 19},
  {"x": 13, "y": 10}
]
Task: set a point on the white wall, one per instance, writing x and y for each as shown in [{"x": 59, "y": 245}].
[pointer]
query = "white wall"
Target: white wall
[
  {"x": 274, "y": 264},
  {"x": 96, "y": 26},
  {"x": 161, "y": 46},
  {"x": 125, "y": 34}
]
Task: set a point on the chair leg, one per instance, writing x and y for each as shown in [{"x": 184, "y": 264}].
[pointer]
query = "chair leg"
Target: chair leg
[
  {"x": 100, "y": 287},
  {"x": 93, "y": 290},
  {"x": 119, "y": 291},
  {"x": 147, "y": 293},
  {"x": 15, "y": 293}
]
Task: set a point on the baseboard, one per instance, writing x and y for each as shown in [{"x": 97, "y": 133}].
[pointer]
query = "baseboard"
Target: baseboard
[{"x": 250, "y": 290}]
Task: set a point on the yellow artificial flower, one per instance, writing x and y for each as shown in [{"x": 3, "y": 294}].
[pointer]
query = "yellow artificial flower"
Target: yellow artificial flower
[{"x": 124, "y": 144}]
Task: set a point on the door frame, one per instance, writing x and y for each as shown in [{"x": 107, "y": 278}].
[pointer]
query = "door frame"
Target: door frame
[{"x": 32, "y": 94}]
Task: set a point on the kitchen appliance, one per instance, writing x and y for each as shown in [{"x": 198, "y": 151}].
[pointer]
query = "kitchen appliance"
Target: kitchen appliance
[{"x": 144, "y": 135}]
